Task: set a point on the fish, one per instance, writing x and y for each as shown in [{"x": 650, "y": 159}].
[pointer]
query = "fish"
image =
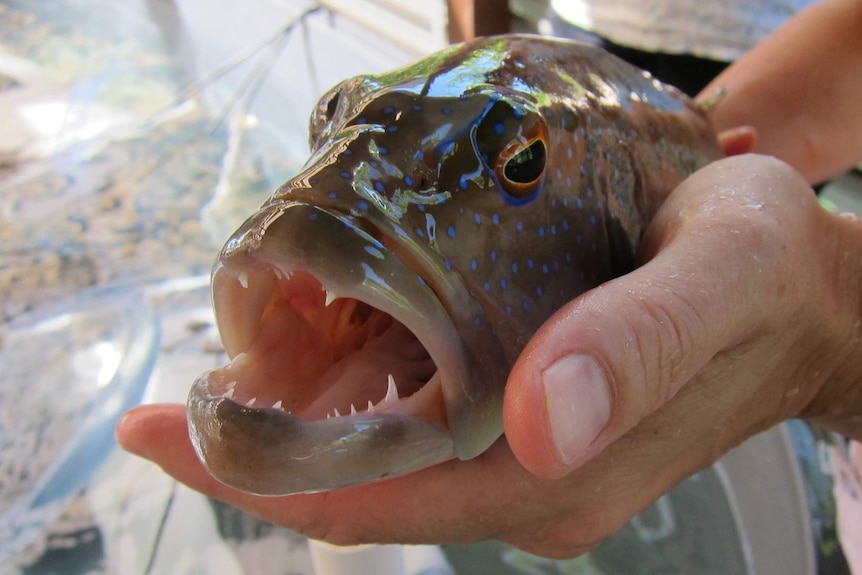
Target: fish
[{"x": 373, "y": 306}]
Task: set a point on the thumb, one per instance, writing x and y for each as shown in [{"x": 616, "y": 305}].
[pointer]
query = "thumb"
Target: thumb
[{"x": 619, "y": 352}]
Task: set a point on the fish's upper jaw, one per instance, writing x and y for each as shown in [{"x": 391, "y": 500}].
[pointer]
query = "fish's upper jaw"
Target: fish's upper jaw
[{"x": 339, "y": 357}]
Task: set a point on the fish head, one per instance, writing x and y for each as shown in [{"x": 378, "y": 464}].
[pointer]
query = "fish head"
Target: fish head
[{"x": 373, "y": 306}]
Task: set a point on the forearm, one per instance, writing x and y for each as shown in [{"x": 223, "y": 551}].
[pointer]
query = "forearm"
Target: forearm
[{"x": 801, "y": 89}]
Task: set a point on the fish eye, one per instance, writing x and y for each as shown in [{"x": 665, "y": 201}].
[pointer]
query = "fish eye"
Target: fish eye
[
  {"x": 520, "y": 168},
  {"x": 512, "y": 140}
]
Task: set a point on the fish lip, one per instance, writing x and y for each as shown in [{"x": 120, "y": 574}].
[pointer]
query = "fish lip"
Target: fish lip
[
  {"x": 222, "y": 430},
  {"x": 305, "y": 456}
]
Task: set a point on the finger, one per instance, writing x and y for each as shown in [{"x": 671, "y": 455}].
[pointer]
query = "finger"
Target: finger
[
  {"x": 738, "y": 141},
  {"x": 619, "y": 352},
  {"x": 448, "y": 502}
]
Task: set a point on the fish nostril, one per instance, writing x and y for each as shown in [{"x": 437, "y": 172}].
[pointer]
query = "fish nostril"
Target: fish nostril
[{"x": 332, "y": 105}]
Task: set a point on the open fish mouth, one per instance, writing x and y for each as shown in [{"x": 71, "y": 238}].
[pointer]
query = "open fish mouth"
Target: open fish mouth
[{"x": 344, "y": 361}]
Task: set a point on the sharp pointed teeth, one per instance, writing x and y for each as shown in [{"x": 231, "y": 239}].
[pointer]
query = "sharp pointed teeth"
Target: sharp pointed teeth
[
  {"x": 330, "y": 297},
  {"x": 370, "y": 407},
  {"x": 229, "y": 393},
  {"x": 391, "y": 390},
  {"x": 250, "y": 402},
  {"x": 352, "y": 410},
  {"x": 277, "y": 404},
  {"x": 243, "y": 279},
  {"x": 335, "y": 411}
]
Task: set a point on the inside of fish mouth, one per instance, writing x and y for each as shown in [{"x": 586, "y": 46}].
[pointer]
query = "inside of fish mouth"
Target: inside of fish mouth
[{"x": 315, "y": 356}]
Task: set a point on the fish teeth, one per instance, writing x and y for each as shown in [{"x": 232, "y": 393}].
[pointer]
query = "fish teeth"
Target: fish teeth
[
  {"x": 391, "y": 390},
  {"x": 229, "y": 394},
  {"x": 330, "y": 297},
  {"x": 277, "y": 404},
  {"x": 335, "y": 411},
  {"x": 243, "y": 279},
  {"x": 370, "y": 407},
  {"x": 250, "y": 402},
  {"x": 352, "y": 410}
]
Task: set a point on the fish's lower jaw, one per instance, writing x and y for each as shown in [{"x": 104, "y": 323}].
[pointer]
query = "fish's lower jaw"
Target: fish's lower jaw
[{"x": 266, "y": 451}]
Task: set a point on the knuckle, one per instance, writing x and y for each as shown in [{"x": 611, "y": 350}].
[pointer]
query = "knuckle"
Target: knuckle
[{"x": 665, "y": 335}]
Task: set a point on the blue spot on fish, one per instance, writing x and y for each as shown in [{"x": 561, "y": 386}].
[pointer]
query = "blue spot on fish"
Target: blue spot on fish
[
  {"x": 474, "y": 265},
  {"x": 530, "y": 263},
  {"x": 312, "y": 217},
  {"x": 391, "y": 129},
  {"x": 493, "y": 255},
  {"x": 363, "y": 205},
  {"x": 462, "y": 182},
  {"x": 408, "y": 180},
  {"x": 496, "y": 219},
  {"x": 378, "y": 185},
  {"x": 345, "y": 175},
  {"x": 519, "y": 227},
  {"x": 477, "y": 217},
  {"x": 514, "y": 267},
  {"x": 450, "y": 231},
  {"x": 499, "y": 128},
  {"x": 388, "y": 110},
  {"x": 503, "y": 283}
]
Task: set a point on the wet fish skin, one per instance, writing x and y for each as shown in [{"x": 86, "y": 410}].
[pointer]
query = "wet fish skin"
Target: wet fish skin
[{"x": 468, "y": 196}]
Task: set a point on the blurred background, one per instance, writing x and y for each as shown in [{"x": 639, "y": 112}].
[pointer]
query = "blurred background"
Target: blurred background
[{"x": 134, "y": 137}]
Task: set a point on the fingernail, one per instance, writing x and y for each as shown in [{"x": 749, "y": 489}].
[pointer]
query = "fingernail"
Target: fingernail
[{"x": 578, "y": 402}]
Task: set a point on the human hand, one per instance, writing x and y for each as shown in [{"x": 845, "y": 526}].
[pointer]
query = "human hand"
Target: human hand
[{"x": 746, "y": 312}]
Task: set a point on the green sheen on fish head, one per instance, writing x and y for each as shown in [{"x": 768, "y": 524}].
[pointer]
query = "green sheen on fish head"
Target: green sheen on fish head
[{"x": 446, "y": 211}]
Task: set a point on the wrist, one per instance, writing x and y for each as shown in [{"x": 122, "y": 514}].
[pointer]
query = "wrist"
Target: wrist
[{"x": 838, "y": 403}]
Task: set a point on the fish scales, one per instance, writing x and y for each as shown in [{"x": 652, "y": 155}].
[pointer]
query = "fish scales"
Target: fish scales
[{"x": 446, "y": 211}]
